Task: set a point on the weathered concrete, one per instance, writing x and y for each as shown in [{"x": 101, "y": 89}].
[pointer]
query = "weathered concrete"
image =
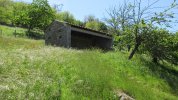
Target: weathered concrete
[{"x": 67, "y": 35}]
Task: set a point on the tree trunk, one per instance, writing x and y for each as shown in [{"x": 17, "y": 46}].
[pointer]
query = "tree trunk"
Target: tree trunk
[
  {"x": 138, "y": 43},
  {"x": 133, "y": 51},
  {"x": 29, "y": 30}
]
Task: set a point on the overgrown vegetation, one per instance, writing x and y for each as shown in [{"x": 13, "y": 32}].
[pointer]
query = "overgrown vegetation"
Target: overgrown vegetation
[
  {"x": 30, "y": 70},
  {"x": 139, "y": 24},
  {"x": 161, "y": 45}
]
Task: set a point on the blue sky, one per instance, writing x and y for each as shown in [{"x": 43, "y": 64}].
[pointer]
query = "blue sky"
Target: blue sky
[{"x": 82, "y": 8}]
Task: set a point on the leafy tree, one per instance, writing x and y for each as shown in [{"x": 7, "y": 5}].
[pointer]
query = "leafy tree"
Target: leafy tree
[
  {"x": 79, "y": 23},
  {"x": 20, "y": 12},
  {"x": 40, "y": 14},
  {"x": 95, "y": 24},
  {"x": 161, "y": 45},
  {"x": 5, "y": 11},
  {"x": 92, "y": 25},
  {"x": 102, "y": 27},
  {"x": 124, "y": 41},
  {"x": 65, "y": 16},
  {"x": 68, "y": 17},
  {"x": 139, "y": 20},
  {"x": 134, "y": 16},
  {"x": 90, "y": 18}
]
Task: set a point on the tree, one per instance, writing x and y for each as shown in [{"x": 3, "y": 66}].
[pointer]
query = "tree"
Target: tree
[
  {"x": 20, "y": 14},
  {"x": 134, "y": 16},
  {"x": 6, "y": 11},
  {"x": 161, "y": 45},
  {"x": 119, "y": 17},
  {"x": 90, "y": 18},
  {"x": 103, "y": 27},
  {"x": 140, "y": 19},
  {"x": 40, "y": 14},
  {"x": 79, "y": 23},
  {"x": 120, "y": 25},
  {"x": 65, "y": 16},
  {"x": 68, "y": 17},
  {"x": 95, "y": 24}
]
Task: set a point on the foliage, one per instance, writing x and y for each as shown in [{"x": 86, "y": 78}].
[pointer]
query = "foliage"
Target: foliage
[
  {"x": 6, "y": 11},
  {"x": 133, "y": 16},
  {"x": 90, "y": 18},
  {"x": 161, "y": 45},
  {"x": 124, "y": 41},
  {"x": 95, "y": 25},
  {"x": 79, "y": 23},
  {"x": 68, "y": 17},
  {"x": 20, "y": 14},
  {"x": 40, "y": 14},
  {"x": 36, "y": 33},
  {"x": 65, "y": 16},
  {"x": 37, "y": 14},
  {"x": 31, "y": 70},
  {"x": 102, "y": 27},
  {"x": 129, "y": 24}
]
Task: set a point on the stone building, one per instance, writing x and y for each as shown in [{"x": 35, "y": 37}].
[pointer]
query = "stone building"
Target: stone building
[{"x": 68, "y": 35}]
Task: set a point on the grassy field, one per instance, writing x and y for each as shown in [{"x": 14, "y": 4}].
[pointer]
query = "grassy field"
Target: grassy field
[
  {"x": 31, "y": 70},
  {"x": 9, "y": 31}
]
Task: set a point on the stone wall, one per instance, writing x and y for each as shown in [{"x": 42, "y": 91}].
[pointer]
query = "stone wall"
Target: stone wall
[
  {"x": 58, "y": 34},
  {"x": 64, "y": 35}
]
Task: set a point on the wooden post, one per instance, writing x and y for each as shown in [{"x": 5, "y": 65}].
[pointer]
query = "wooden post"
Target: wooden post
[
  {"x": 15, "y": 32},
  {"x": 0, "y": 32}
]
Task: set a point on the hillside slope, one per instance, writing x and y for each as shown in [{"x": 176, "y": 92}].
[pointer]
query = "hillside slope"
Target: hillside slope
[{"x": 31, "y": 70}]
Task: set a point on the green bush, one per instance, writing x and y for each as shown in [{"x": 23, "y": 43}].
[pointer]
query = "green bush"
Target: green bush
[
  {"x": 161, "y": 45},
  {"x": 35, "y": 34}
]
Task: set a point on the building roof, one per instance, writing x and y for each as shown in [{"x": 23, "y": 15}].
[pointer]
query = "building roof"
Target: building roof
[{"x": 88, "y": 29}]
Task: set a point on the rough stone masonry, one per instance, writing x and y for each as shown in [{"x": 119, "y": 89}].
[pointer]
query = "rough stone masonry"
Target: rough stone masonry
[{"x": 68, "y": 35}]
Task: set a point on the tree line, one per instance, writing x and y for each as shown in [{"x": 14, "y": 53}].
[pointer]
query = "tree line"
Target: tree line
[
  {"x": 134, "y": 26},
  {"x": 39, "y": 14}
]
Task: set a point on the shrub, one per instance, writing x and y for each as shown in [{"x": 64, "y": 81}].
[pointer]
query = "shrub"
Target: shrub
[
  {"x": 161, "y": 45},
  {"x": 35, "y": 34}
]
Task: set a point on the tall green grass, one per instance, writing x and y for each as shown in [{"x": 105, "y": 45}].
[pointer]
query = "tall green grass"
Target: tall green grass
[
  {"x": 31, "y": 70},
  {"x": 9, "y": 31}
]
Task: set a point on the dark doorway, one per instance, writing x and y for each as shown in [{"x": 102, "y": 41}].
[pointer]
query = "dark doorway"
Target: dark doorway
[{"x": 83, "y": 41}]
